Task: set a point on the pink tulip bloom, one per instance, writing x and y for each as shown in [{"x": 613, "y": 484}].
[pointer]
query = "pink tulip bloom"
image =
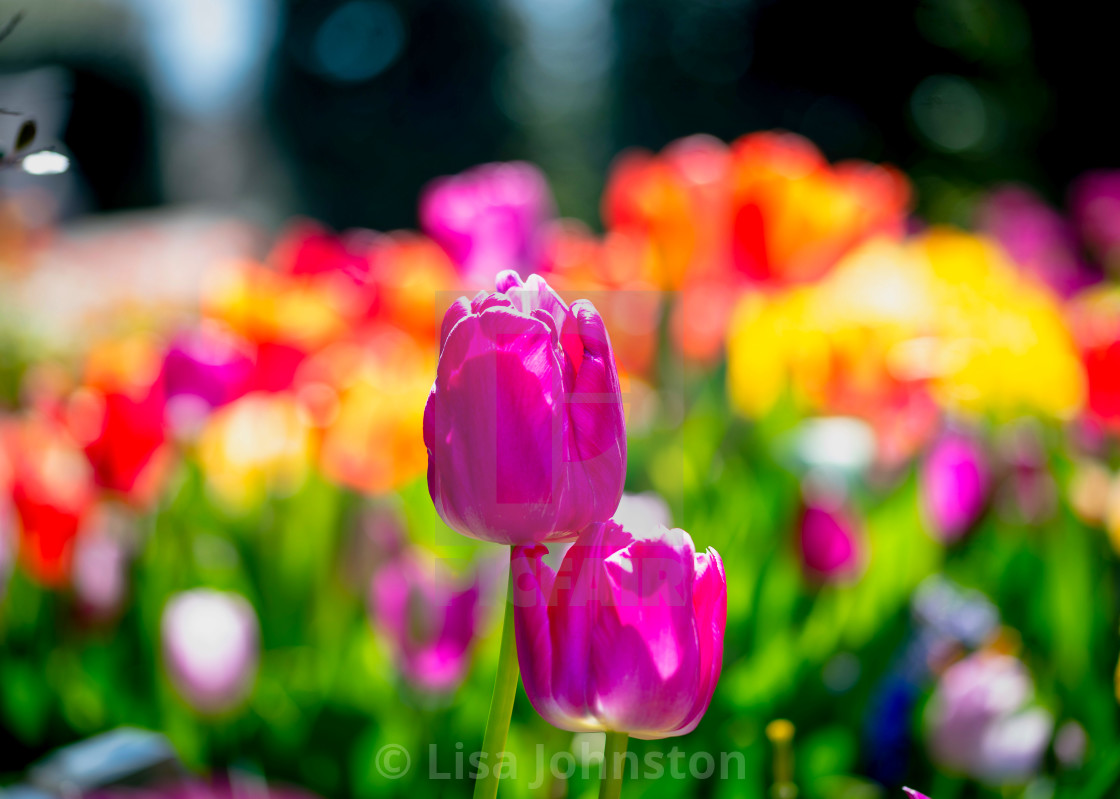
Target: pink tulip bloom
[
  {"x": 489, "y": 218},
  {"x": 954, "y": 485},
  {"x": 430, "y": 623},
  {"x": 1037, "y": 237},
  {"x": 211, "y": 646},
  {"x": 1094, "y": 201},
  {"x": 832, "y": 544},
  {"x": 524, "y": 425},
  {"x": 627, "y": 636},
  {"x": 203, "y": 369},
  {"x": 914, "y": 794}
]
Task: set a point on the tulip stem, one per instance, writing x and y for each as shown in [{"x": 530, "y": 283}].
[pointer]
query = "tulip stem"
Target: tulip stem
[
  {"x": 614, "y": 765},
  {"x": 501, "y": 705}
]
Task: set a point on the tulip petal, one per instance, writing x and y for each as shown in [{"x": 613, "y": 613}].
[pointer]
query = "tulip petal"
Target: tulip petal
[
  {"x": 709, "y": 599},
  {"x": 459, "y": 310},
  {"x": 645, "y": 654},
  {"x": 576, "y": 593},
  {"x": 494, "y": 446}
]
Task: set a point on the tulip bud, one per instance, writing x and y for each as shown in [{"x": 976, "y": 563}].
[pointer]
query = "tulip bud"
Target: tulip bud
[
  {"x": 979, "y": 724},
  {"x": 211, "y": 643},
  {"x": 914, "y": 794},
  {"x": 832, "y": 543},
  {"x": 524, "y": 424},
  {"x": 430, "y": 623},
  {"x": 489, "y": 218},
  {"x": 627, "y": 636},
  {"x": 954, "y": 486}
]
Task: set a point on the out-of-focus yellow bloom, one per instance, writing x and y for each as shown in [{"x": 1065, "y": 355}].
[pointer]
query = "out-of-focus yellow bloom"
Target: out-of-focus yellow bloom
[
  {"x": 263, "y": 305},
  {"x": 833, "y": 340},
  {"x": 259, "y": 444},
  {"x": 373, "y": 440},
  {"x": 943, "y": 316},
  {"x": 1012, "y": 352}
]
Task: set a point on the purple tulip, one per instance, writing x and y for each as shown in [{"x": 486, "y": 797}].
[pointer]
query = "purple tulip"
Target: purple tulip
[
  {"x": 429, "y": 622},
  {"x": 489, "y": 218},
  {"x": 627, "y": 636},
  {"x": 832, "y": 545},
  {"x": 954, "y": 485},
  {"x": 1036, "y": 237},
  {"x": 524, "y": 425},
  {"x": 914, "y": 794},
  {"x": 203, "y": 369},
  {"x": 1094, "y": 201},
  {"x": 979, "y": 724},
  {"x": 211, "y": 646}
]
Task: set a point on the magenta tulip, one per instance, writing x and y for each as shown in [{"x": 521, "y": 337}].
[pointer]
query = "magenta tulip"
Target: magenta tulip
[
  {"x": 1095, "y": 206},
  {"x": 914, "y": 794},
  {"x": 203, "y": 369},
  {"x": 832, "y": 545},
  {"x": 954, "y": 485},
  {"x": 489, "y": 218},
  {"x": 524, "y": 425},
  {"x": 627, "y": 636},
  {"x": 1037, "y": 237},
  {"x": 430, "y": 622},
  {"x": 211, "y": 646}
]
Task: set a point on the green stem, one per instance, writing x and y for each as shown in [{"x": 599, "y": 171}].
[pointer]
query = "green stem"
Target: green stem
[
  {"x": 501, "y": 704},
  {"x": 614, "y": 765}
]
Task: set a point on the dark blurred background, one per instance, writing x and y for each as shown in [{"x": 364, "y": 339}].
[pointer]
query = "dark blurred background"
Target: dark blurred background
[{"x": 343, "y": 109}]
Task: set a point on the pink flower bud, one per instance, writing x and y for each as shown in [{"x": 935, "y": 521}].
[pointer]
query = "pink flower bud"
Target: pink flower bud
[
  {"x": 627, "y": 636},
  {"x": 429, "y": 621},
  {"x": 954, "y": 486},
  {"x": 832, "y": 544},
  {"x": 524, "y": 425}
]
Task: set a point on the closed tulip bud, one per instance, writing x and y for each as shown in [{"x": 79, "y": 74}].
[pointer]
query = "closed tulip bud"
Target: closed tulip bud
[
  {"x": 832, "y": 544},
  {"x": 429, "y": 621},
  {"x": 524, "y": 425},
  {"x": 211, "y": 646},
  {"x": 914, "y": 794},
  {"x": 627, "y": 636},
  {"x": 954, "y": 486}
]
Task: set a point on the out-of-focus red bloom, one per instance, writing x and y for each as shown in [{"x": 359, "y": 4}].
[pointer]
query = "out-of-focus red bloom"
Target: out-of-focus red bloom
[
  {"x": 795, "y": 215},
  {"x": 118, "y": 418},
  {"x": 1095, "y": 317},
  {"x": 1037, "y": 237},
  {"x": 307, "y": 248},
  {"x": 52, "y": 491}
]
